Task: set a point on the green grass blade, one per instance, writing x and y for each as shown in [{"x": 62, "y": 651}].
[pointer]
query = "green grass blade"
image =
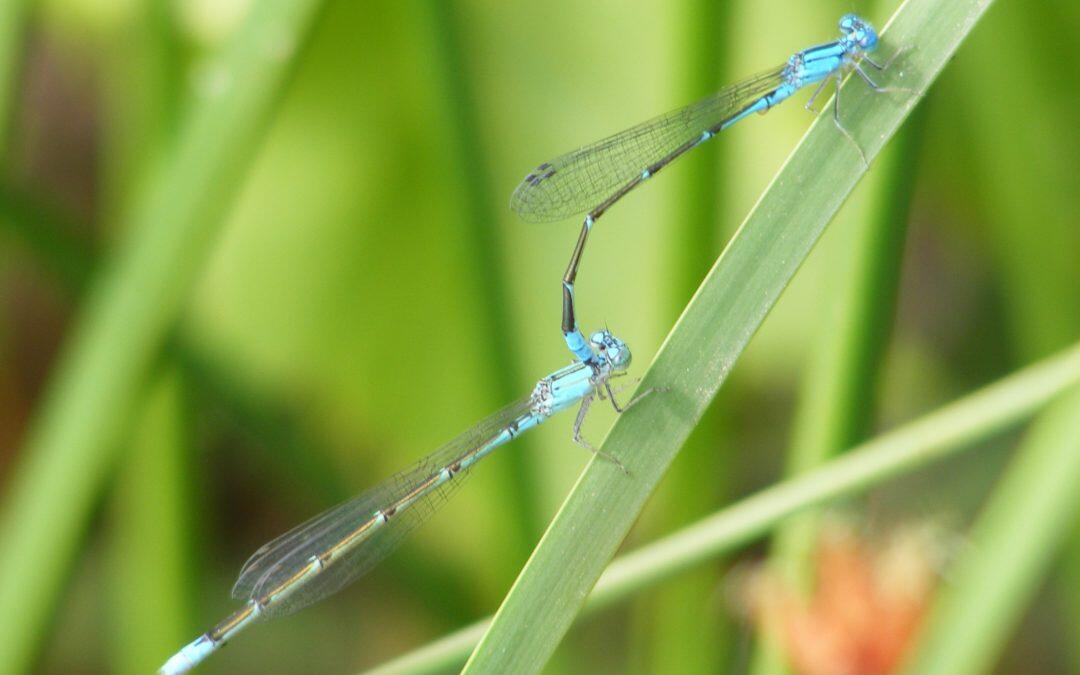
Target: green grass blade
[
  {"x": 1038, "y": 274},
  {"x": 933, "y": 437},
  {"x": 148, "y": 596},
  {"x": 151, "y": 524},
  {"x": 1031, "y": 513},
  {"x": 482, "y": 253},
  {"x": 76, "y": 436},
  {"x": 708, "y": 339}
]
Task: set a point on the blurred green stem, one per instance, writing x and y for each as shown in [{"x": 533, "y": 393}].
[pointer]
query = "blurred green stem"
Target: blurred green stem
[
  {"x": 147, "y": 587},
  {"x": 151, "y": 528},
  {"x": 76, "y": 436},
  {"x": 1039, "y": 273},
  {"x": 483, "y": 255},
  {"x": 948, "y": 430},
  {"x": 1017, "y": 537},
  {"x": 1037, "y": 269}
]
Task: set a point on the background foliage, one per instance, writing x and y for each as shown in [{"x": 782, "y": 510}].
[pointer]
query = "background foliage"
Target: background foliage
[{"x": 358, "y": 292}]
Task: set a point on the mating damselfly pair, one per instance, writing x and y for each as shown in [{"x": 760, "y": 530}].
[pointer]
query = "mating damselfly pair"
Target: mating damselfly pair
[{"x": 323, "y": 555}]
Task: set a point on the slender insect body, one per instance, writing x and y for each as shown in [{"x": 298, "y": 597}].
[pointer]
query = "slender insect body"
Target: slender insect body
[
  {"x": 594, "y": 177},
  {"x": 332, "y": 549}
]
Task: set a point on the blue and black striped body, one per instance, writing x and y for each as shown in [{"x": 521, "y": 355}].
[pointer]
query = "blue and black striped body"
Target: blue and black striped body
[
  {"x": 326, "y": 553},
  {"x": 594, "y": 177}
]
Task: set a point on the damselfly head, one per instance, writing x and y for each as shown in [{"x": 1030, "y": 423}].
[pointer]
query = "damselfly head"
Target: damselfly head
[
  {"x": 859, "y": 31},
  {"x": 611, "y": 349}
]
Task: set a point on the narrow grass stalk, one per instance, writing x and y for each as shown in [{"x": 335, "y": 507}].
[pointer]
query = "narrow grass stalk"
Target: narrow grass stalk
[
  {"x": 482, "y": 252},
  {"x": 1017, "y": 537},
  {"x": 1037, "y": 276},
  {"x": 940, "y": 434},
  {"x": 150, "y": 529},
  {"x": 708, "y": 339},
  {"x": 75, "y": 438},
  {"x": 148, "y": 593}
]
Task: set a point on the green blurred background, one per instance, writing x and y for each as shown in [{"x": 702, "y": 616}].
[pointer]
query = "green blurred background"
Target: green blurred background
[{"x": 369, "y": 295}]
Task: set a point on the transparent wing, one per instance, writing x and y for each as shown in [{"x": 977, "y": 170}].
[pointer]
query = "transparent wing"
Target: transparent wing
[
  {"x": 578, "y": 181},
  {"x": 280, "y": 559}
]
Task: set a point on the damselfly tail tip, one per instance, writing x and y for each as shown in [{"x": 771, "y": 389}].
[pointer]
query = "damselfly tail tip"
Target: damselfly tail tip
[{"x": 188, "y": 657}]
